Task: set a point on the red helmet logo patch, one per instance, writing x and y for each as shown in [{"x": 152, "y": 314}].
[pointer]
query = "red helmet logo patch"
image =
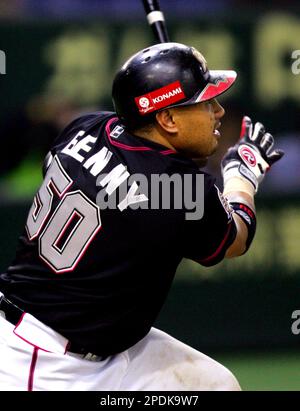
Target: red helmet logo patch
[
  {"x": 247, "y": 155},
  {"x": 160, "y": 98}
]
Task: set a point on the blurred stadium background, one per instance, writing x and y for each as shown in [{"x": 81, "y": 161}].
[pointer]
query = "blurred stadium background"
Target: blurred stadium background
[{"x": 60, "y": 59}]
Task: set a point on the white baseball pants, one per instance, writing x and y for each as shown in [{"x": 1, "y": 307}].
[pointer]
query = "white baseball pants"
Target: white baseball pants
[{"x": 33, "y": 357}]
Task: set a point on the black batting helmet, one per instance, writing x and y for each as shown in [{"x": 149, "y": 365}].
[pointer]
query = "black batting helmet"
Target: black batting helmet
[{"x": 161, "y": 76}]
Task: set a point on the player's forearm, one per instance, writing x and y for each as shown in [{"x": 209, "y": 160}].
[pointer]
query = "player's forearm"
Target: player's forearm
[
  {"x": 239, "y": 191},
  {"x": 238, "y": 247}
]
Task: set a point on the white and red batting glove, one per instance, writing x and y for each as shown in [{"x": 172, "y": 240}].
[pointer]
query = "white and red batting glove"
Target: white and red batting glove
[{"x": 252, "y": 156}]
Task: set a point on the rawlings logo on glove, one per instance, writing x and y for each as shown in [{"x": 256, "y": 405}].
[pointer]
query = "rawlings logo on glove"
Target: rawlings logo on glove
[
  {"x": 252, "y": 156},
  {"x": 247, "y": 155}
]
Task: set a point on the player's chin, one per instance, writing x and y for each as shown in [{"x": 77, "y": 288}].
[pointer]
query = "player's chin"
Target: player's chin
[{"x": 210, "y": 149}]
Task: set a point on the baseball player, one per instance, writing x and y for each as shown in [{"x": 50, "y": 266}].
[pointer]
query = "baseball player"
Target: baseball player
[{"x": 100, "y": 247}]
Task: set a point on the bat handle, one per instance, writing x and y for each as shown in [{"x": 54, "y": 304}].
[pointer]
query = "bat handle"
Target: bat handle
[
  {"x": 156, "y": 20},
  {"x": 162, "y": 34}
]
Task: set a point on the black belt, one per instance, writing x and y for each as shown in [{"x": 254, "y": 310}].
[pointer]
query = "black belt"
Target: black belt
[{"x": 14, "y": 313}]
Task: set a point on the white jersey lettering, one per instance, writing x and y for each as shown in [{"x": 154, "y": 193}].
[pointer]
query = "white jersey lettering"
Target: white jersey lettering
[
  {"x": 131, "y": 198},
  {"x": 113, "y": 179},
  {"x": 73, "y": 148},
  {"x": 98, "y": 161}
]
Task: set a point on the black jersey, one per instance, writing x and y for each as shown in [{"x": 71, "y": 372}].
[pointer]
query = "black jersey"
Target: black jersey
[{"x": 101, "y": 243}]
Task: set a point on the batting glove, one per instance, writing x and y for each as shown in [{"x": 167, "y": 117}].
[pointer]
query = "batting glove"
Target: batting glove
[{"x": 252, "y": 156}]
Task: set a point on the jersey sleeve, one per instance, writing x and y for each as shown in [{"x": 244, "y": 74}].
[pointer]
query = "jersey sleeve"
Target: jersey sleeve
[{"x": 207, "y": 239}]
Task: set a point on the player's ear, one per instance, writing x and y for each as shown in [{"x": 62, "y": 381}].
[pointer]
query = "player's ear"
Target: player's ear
[{"x": 166, "y": 121}]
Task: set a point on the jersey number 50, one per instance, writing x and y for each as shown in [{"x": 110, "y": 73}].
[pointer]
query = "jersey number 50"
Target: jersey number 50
[{"x": 72, "y": 225}]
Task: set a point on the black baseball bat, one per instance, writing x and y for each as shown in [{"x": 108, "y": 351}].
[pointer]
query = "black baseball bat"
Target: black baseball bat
[{"x": 156, "y": 20}]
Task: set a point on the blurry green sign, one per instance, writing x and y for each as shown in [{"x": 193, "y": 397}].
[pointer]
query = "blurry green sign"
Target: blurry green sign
[{"x": 79, "y": 61}]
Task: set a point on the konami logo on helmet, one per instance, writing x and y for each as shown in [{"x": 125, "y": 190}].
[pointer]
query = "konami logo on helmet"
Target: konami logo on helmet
[{"x": 160, "y": 98}]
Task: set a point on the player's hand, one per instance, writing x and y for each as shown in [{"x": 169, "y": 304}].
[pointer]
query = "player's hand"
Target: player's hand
[{"x": 252, "y": 156}]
